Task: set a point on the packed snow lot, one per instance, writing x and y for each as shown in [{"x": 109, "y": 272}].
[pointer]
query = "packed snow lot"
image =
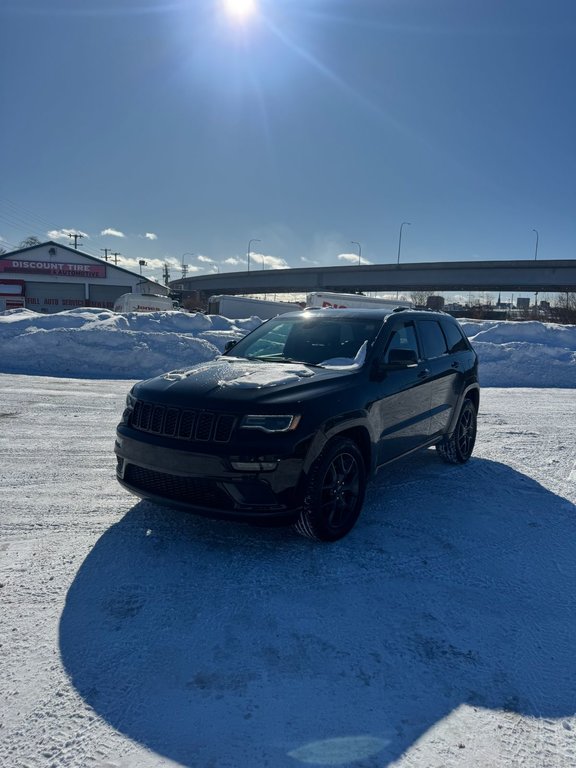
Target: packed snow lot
[
  {"x": 440, "y": 632},
  {"x": 97, "y": 343}
]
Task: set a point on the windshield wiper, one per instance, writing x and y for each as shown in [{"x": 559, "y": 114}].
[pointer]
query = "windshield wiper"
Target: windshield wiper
[{"x": 277, "y": 358}]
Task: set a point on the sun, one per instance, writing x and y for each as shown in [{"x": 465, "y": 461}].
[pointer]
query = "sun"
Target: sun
[{"x": 240, "y": 9}]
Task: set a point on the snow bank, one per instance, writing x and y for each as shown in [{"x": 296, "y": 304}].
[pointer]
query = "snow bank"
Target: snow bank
[
  {"x": 524, "y": 354},
  {"x": 98, "y": 343}
]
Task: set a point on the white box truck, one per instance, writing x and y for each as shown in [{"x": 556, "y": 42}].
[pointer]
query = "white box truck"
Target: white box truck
[
  {"x": 144, "y": 302},
  {"x": 328, "y": 300},
  {"x": 240, "y": 307}
]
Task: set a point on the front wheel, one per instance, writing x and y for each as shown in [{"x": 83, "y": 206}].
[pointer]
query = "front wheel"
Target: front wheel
[
  {"x": 457, "y": 447},
  {"x": 334, "y": 492}
]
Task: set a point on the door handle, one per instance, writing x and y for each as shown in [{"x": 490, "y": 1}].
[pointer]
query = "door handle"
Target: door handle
[
  {"x": 424, "y": 374},
  {"x": 455, "y": 364}
]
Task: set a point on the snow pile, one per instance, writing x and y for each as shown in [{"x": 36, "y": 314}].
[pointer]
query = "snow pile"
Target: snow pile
[
  {"x": 98, "y": 343},
  {"x": 524, "y": 354}
]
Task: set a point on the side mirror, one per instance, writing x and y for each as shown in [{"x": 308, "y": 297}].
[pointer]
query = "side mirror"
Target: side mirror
[
  {"x": 398, "y": 360},
  {"x": 229, "y": 344},
  {"x": 404, "y": 358}
]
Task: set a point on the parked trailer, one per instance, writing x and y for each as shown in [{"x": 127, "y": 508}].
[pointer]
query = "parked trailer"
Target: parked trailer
[
  {"x": 144, "y": 302},
  {"x": 239, "y": 307},
  {"x": 328, "y": 300}
]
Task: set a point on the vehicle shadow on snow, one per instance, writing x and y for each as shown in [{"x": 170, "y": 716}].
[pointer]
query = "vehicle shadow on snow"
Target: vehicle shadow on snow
[{"x": 220, "y": 644}]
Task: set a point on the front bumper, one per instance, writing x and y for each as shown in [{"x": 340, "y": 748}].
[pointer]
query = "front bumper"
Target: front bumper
[{"x": 206, "y": 484}]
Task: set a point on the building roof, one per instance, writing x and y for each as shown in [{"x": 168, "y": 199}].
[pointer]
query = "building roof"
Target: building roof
[{"x": 12, "y": 254}]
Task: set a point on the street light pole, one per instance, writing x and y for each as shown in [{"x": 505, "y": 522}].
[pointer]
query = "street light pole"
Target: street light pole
[
  {"x": 252, "y": 240},
  {"x": 359, "y": 251},
  {"x": 404, "y": 223},
  {"x": 536, "y": 249}
]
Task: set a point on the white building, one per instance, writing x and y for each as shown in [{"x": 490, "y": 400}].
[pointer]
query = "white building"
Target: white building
[{"x": 50, "y": 277}]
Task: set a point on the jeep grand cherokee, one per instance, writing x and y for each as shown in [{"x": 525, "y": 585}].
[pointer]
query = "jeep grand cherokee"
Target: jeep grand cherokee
[{"x": 289, "y": 424}]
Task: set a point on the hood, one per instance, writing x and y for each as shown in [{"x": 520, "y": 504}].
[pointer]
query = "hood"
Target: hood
[{"x": 230, "y": 378}]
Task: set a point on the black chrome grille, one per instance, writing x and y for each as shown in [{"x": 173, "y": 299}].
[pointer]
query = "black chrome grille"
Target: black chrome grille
[
  {"x": 202, "y": 493},
  {"x": 184, "y": 424}
]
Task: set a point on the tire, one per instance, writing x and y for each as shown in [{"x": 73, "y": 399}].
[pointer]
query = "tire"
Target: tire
[
  {"x": 334, "y": 492},
  {"x": 457, "y": 447}
]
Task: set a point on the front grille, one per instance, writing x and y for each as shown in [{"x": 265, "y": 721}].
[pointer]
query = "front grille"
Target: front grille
[
  {"x": 198, "y": 492},
  {"x": 182, "y": 423}
]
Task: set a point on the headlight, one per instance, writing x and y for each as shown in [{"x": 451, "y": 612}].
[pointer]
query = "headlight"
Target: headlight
[{"x": 279, "y": 423}]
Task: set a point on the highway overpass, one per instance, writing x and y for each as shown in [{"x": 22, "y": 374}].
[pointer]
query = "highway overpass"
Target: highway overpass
[{"x": 517, "y": 276}]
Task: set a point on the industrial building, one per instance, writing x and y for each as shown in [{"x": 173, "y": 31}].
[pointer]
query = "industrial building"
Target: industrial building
[{"x": 50, "y": 277}]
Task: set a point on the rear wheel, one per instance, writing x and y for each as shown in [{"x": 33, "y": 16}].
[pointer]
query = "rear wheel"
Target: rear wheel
[
  {"x": 457, "y": 447},
  {"x": 334, "y": 492}
]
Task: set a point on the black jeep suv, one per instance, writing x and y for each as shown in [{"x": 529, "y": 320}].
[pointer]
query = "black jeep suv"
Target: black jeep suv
[{"x": 289, "y": 424}]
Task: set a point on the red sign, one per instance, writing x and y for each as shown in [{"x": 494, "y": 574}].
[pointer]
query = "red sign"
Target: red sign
[{"x": 62, "y": 269}]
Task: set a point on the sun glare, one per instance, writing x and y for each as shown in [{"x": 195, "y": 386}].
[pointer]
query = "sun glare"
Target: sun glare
[{"x": 240, "y": 9}]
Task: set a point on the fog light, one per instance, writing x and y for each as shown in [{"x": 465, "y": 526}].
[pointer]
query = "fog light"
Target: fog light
[{"x": 261, "y": 464}]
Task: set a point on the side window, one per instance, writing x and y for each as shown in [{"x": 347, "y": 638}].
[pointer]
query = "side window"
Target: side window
[
  {"x": 403, "y": 337},
  {"x": 457, "y": 342},
  {"x": 433, "y": 340}
]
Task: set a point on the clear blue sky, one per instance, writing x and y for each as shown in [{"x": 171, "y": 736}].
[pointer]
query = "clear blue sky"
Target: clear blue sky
[{"x": 307, "y": 124}]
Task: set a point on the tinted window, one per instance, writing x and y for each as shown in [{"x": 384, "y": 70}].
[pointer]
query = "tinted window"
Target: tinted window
[
  {"x": 433, "y": 340},
  {"x": 307, "y": 339},
  {"x": 403, "y": 337},
  {"x": 456, "y": 340}
]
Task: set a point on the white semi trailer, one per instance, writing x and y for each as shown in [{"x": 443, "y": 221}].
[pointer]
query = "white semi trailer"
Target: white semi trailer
[
  {"x": 144, "y": 302},
  {"x": 240, "y": 307},
  {"x": 329, "y": 300}
]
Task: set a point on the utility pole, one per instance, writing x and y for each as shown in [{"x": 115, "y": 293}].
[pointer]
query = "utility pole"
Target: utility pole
[
  {"x": 166, "y": 274},
  {"x": 141, "y": 263},
  {"x": 116, "y": 254},
  {"x": 184, "y": 267},
  {"x": 105, "y": 252},
  {"x": 75, "y": 236}
]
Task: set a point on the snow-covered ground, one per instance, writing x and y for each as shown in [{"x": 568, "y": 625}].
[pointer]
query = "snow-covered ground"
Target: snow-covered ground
[
  {"x": 97, "y": 343},
  {"x": 440, "y": 632}
]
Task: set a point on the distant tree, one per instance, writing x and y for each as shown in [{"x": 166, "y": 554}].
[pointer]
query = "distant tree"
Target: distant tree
[
  {"x": 29, "y": 242},
  {"x": 419, "y": 298},
  {"x": 565, "y": 308}
]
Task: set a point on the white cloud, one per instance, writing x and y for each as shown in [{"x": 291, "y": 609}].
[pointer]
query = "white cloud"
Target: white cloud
[
  {"x": 112, "y": 232},
  {"x": 151, "y": 236},
  {"x": 272, "y": 262},
  {"x": 206, "y": 259},
  {"x": 61, "y": 234},
  {"x": 352, "y": 258},
  {"x": 258, "y": 261}
]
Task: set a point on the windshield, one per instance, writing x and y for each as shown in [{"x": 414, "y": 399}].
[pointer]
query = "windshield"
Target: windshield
[{"x": 308, "y": 339}]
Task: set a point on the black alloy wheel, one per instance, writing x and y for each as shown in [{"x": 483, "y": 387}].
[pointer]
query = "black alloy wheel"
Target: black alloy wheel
[
  {"x": 457, "y": 448},
  {"x": 334, "y": 493}
]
